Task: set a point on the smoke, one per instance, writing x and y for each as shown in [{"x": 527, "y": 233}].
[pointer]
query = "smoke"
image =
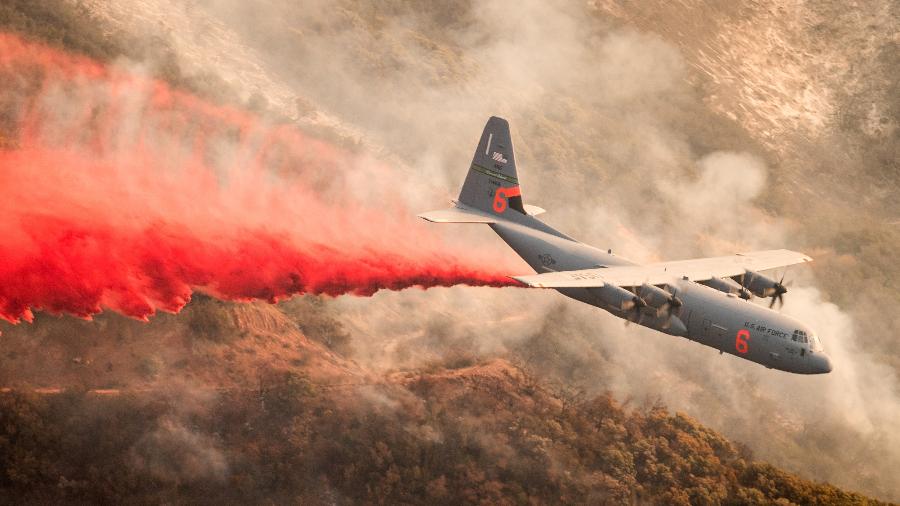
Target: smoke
[
  {"x": 615, "y": 138},
  {"x": 731, "y": 180},
  {"x": 121, "y": 193},
  {"x": 632, "y": 141},
  {"x": 173, "y": 453},
  {"x": 176, "y": 450}
]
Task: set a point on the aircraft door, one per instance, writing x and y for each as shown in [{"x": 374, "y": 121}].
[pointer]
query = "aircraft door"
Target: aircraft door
[
  {"x": 713, "y": 333},
  {"x": 706, "y": 334},
  {"x": 718, "y": 335}
]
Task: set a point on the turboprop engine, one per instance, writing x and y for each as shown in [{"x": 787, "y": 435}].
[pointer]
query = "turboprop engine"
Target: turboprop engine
[
  {"x": 662, "y": 300},
  {"x": 727, "y": 285},
  {"x": 666, "y": 304},
  {"x": 618, "y": 297},
  {"x": 763, "y": 286}
]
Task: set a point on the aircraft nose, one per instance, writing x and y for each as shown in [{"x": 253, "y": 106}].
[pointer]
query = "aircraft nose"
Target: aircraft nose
[{"x": 821, "y": 363}]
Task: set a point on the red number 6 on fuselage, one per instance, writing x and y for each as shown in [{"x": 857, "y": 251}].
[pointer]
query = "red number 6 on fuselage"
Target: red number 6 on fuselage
[{"x": 742, "y": 341}]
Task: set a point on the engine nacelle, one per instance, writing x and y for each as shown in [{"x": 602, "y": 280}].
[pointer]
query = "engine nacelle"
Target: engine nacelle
[
  {"x": 654, "y": 296},
  {"x": 668, "y": 323},
  {"x": 759, "y": 285},
  {"x": 727, "y": 285},
  {"x": 617, "y": 297},
  {"x": 675, "y": 326}
]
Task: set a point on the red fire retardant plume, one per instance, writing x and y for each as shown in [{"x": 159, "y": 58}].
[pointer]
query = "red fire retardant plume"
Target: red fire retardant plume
[{"x": 117, "y": 192}]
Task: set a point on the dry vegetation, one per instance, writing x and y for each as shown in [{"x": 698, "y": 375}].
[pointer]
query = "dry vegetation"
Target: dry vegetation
[
  {"x": 71, "y": 26},
  {"x": 470, "y": 436},
  {"x": 272, "y": 430}
]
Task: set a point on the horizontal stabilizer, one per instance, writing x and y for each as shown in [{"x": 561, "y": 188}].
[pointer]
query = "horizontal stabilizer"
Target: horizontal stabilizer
[
  {"x": 534, "y": 210},
  {"x": 458, "y": 215}
]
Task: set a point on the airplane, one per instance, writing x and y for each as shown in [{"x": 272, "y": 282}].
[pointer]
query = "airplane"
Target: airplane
[{"x": 706, "y": 300}]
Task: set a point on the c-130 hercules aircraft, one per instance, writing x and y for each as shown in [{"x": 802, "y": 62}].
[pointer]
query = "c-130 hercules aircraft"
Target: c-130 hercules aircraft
[{"x": 705, "y": 299}]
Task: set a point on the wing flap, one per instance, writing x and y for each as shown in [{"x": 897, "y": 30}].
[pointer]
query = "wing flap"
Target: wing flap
[{"x": 698, "y": 269}]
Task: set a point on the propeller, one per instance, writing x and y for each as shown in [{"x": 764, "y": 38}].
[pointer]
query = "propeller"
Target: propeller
[
  {"x": 661, "y": 300},
  {"x": 744, "y": 293},
  {"x": 636, "y": 312},
  {"x": 780, "y": 290},
  {"x": 670, "y": 307}
]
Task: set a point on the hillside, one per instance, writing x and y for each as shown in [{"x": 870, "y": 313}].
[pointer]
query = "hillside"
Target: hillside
[
  {"x": 254, "y": 412},
  {"x": 659, "y": 130},
  {"x": 211, "y": 345}
]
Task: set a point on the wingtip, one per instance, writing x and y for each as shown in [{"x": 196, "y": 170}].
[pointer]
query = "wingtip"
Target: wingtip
[{"x": 524, "y": 281}]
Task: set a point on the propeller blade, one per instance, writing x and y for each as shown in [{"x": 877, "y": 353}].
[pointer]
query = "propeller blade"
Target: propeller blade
[
  {"x": 667, "y": 323},
  {"x": 633, "y": 317},
  {"x": 745, "y": 294},
  {"x": 771, "y": 304}
]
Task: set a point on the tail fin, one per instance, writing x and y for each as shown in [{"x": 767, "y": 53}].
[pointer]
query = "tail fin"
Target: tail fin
[{"x": 492, "y": 185}]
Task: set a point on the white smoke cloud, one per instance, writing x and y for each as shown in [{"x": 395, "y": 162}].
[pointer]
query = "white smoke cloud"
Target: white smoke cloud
[
  {"x": 176, "y": 454},
  {"x": 606, "y": 125}
]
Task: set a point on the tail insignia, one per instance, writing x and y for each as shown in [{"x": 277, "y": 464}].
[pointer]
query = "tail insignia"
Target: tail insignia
[
  {"x": 492, "y": 185},
  {"x": 502, "y": 196}
]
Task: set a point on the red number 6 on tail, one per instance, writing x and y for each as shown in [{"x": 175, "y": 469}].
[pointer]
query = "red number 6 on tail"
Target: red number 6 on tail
[{"x": 501, "y": 195}]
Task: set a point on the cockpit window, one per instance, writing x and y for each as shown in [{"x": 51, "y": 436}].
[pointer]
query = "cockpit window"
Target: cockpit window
[
  {"x": 815, "y": 344},
  {"x": 800, "y": 336}
]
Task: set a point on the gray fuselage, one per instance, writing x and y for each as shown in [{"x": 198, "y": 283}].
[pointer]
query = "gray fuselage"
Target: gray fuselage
[{"x": 711, "y": 317}]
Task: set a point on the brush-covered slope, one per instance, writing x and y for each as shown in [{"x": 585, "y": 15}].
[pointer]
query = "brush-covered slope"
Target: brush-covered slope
[
  {"x": 484, "y": 434},
  {"x": 228, "y": 403}
]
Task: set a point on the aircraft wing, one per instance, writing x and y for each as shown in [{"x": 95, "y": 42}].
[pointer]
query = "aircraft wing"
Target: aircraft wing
[
  {"x": 458, "y": 214},
  {"x": 699, "y": 269}
]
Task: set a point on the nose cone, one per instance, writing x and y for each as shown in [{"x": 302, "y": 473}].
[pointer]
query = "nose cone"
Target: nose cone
[{"x": 820, "y": 363}]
